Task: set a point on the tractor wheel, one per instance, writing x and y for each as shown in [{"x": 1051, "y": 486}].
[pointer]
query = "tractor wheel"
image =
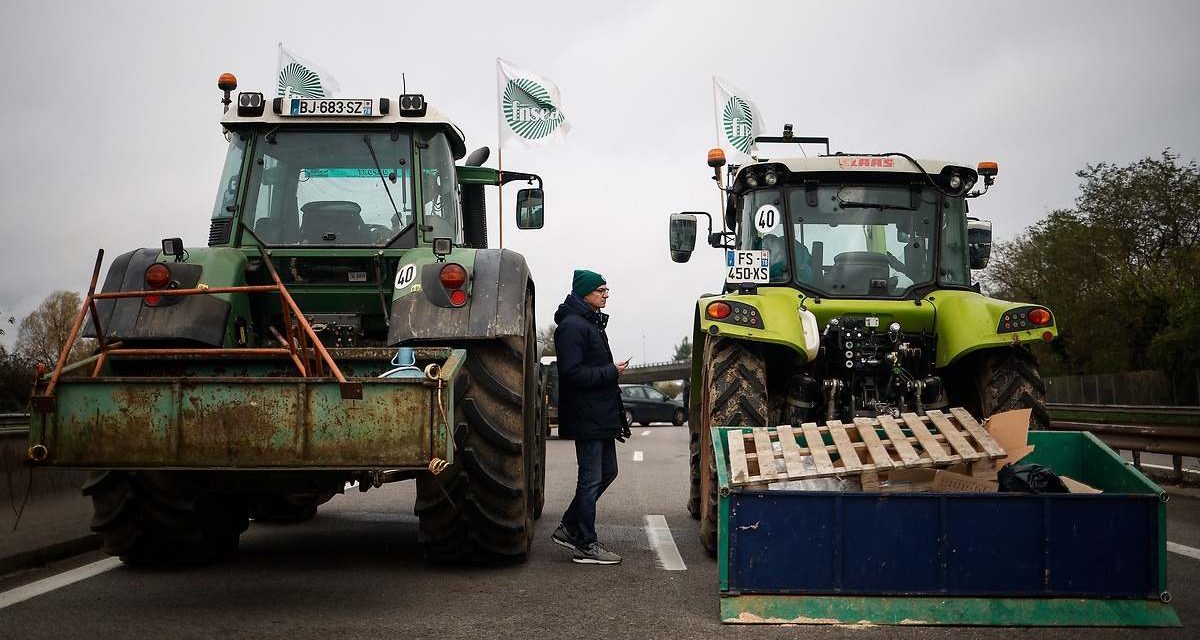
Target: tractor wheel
[
  {"x": 482, "y": 508},
  {"x": 735, "y": 394},
  {"x": 1009, "y": 379},
  {"x": 694, "y": 473},
  {"x": 153, "y": 517}
]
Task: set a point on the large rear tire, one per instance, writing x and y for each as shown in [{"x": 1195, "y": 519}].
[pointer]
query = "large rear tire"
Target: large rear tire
[
  {"x": 1009, "y": 379},
  {"x": 482, "y": 508},
  {"x": 735, "y": 394},
  {"x": 154, "y": 517}
]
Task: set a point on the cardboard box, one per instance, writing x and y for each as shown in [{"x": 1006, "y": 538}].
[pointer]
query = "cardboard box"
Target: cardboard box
[
  {"x": 1075, "y": 486},
  {"x": 950, "y": 482}
]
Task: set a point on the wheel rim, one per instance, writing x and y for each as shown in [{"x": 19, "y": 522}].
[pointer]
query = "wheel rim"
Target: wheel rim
[{"x": 629, "y": 418}]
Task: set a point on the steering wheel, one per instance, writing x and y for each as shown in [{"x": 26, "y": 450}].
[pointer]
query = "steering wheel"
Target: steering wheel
[
  {"x": 379, "y": 231},
  {"x": 898, "y": 265}
]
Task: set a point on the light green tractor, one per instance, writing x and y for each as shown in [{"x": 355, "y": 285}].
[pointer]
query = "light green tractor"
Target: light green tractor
[
  {"x": 848, "y": 294},
  {"x": 345, "y": 326}
]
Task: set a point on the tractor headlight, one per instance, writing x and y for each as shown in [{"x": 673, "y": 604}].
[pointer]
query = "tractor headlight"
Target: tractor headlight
[
  {"x": 956, "y": 182},
  {"x": 751, "y": 180},
  {"x": 771, "y": 178}
]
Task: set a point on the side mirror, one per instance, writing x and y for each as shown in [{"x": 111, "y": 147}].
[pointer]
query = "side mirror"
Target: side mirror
[
  {"x": 979, "y": 243},
  {"x": 683, "y": 236},
  {"x": 530, "y": 214}
]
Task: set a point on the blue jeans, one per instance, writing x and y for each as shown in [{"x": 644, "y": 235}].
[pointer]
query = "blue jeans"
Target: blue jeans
[{"x": 597, "y": 469}]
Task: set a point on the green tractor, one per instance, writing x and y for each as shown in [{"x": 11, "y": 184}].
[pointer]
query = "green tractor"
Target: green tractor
[
  {"x": 848, "y": 293},
  {"x": 346, "y": 325}
]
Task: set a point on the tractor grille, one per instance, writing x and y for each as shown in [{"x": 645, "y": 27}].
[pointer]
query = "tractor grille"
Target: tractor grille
[{"x": 219, "y": 232}]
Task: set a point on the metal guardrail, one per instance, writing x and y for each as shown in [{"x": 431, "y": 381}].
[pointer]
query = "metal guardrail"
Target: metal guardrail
[
  {"x": 657, "y": 371},
  {"x": 14, "y": 424},
  {"x": 1168, "y": 430}
]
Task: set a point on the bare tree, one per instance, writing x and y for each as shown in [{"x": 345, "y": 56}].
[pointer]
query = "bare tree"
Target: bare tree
[
  {"x": 545, "y": 340},
  {"x": 5, "y": 318},
  {"x": 683, "y": 350},
  {"x": 43, "y": 332}
]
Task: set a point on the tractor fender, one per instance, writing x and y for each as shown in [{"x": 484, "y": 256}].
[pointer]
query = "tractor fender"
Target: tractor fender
[
  {"x": 200, "y": 319},
  {"x": 967, "y": 322},
  {"x": 773, "y": 315},
  {"x": 497, "y": 282}
]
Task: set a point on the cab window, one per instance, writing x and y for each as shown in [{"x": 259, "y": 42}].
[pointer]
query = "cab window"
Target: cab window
[
  {"x": 762, "y": 227},
  {"x": 439, "y": 191}
]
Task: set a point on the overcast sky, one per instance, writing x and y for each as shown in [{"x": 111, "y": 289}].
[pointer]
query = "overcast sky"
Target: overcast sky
[{"x": 110, "y": 111}]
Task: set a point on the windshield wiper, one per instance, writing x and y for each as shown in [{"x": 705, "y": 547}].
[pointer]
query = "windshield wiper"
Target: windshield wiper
[
  {"x": 868, "y": 205},
  {"x": 379, "y": 170}
]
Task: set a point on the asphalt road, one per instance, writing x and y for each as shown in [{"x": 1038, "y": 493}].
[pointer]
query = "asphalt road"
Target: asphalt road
[{"x": 356, "y": 572}]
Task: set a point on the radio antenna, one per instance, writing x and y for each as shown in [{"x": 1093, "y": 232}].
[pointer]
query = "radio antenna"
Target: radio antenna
[{"x": 403, "y": 84}]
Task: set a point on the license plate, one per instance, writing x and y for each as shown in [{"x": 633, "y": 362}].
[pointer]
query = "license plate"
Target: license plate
[
  {"x": 332, "y": 107},
  {"x": 747, "y": 266}
]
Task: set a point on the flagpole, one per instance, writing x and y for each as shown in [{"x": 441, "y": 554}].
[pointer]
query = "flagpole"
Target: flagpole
[
  {"x": 717, "y": 119},
  {"x": 501, "y": 163},
  {"x": 500, "y": 149}
]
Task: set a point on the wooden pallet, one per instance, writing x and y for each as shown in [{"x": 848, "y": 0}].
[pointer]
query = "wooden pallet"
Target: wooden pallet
[{"x": 937, "y": 440}]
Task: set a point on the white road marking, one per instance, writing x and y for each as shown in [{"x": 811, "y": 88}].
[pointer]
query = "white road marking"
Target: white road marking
[
  {"x": 34, "y": 589},
  {"x": 664, "y": 544},
  {"x": 351, "y": 485},
  {"x": 646, "y": 432},
  {"x": 637, "y": 456},
  {"x": 1175, "y": 547}
]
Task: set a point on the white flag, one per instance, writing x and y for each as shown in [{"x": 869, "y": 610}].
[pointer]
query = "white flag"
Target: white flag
[
  {"x": 738, "y": 120},
  {"x": 303, "y": 79},
  {"x": 529, "y": 109}
]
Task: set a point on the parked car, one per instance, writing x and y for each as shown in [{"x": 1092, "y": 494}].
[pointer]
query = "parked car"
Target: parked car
[{"x": 645, "y": 404}]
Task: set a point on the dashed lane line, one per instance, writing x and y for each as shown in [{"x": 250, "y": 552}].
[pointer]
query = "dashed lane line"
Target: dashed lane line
[
  {"x": 646, "y": 432},
  {"x": 34, "y": 589},
  {"x": 637, "y": 456},
  {"x": 1175, "y": 547},
  {"x": 663, "y": 543}
]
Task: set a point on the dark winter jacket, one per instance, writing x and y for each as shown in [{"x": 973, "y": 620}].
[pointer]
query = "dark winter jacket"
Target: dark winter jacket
[{"x": 589, "y": 400}]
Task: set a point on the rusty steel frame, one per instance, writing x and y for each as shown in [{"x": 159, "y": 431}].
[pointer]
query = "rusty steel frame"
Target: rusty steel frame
[{"x": 299, "y": 333}]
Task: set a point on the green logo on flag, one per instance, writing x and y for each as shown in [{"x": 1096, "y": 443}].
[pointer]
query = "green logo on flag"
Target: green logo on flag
[
  {"x": 528, "y": 109},
  {"x": 303, "y": 82},
  {"x": 738, "y": 120}
]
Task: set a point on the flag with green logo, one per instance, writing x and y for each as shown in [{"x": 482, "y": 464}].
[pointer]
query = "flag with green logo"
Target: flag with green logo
[
  {"x": 530, "y": 109},
  {"x": 738, "y": 120},
  {"x": 299, "y": 78}
]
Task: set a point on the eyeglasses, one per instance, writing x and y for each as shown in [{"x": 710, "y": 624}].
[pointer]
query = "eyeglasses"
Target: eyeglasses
[{"x": 601, "y": 291}]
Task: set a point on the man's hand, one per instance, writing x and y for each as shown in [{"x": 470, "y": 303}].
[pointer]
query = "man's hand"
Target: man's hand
[
  {"x": 625, "y": 433},
  {"x": 622, "y": 366}
]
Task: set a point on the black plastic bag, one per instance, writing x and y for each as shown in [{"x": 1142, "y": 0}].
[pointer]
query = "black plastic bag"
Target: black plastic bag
[{"x": 1029, "y": 478}]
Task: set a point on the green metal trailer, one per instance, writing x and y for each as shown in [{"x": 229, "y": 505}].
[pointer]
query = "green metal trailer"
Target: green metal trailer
[{"x": 996, "y": 559}]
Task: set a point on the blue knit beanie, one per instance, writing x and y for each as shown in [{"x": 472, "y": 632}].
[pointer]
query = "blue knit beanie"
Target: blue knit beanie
[{"x": 586, "y": 282}]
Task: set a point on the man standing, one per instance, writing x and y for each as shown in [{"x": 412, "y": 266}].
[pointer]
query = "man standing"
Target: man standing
[{"x": 589, "y": 410}]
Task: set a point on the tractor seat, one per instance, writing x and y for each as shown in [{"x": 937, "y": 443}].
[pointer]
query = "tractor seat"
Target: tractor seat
[
  {"x": 853, "y": 271},
  {"x": 337, "y": 220}
]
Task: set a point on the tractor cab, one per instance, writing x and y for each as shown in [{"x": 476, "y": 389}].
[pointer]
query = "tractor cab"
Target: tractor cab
[
  {"x": 326, "y": 172},
  {"x": 851, "y": 226}
]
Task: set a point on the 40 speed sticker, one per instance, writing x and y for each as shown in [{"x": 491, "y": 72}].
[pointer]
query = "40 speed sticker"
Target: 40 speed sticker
[
  {"x": 405, "y": 275},
  {"x": 766, "y": 219}
]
